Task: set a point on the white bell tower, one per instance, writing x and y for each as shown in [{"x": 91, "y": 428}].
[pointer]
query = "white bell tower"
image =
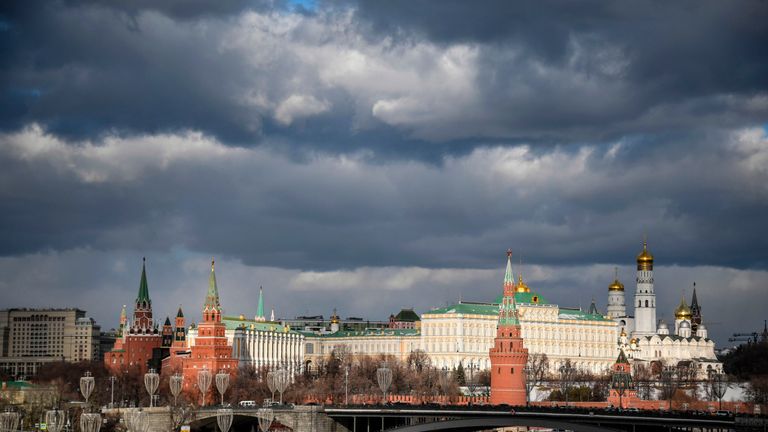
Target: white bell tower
[{"x": 645, "y": 298}]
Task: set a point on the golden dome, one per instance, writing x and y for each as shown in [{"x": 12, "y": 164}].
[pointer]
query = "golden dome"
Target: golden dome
[
  {"x": 616, "y": 286},
  {"x": 683, "y": 312},
  {"x": 645, "y": 259},
  {"x": 623, "y": 332},
  {"x": 521, "y": 286}
]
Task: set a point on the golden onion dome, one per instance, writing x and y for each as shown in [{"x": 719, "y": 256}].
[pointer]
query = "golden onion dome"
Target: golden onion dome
[
  {"x": 644, "y": 258},
  {"x": 683, "y": 312},
  {"x": 616, "y": 286},
  {"x": 521, "y": 286},
  {"x": 623, "y": 332}
]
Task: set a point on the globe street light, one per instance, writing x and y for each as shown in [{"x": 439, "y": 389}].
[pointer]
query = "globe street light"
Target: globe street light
[
  {"x": 222, "y": 383},
  {"x": 204, "y": 382},
  {"x": 265, "y": 416},
  {"x": 151, "y": 382}
]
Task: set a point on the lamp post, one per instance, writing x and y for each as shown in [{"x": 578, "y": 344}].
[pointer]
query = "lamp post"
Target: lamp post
[
  {"x": 87, "y": 382},
  {"x": 136, "y": 420},
  {"x": 55, "y": 420},
  {"x": 282, "y": 379},
  {"x": 444, "y": 380},
  {"x": 266, "y": 416},
  {"x": 222, "y": 383},
  {"x": 346, "y": 385},
  {"x": 384, "y": 378},
  {"x": 90, "y": 422},
  {"x": 224, "y": 418},
  {"x": 9, "y": 421},
  {"x": 719, "y": 385},
  {"x": 472, "y": 367},
  {"x": 151, "y": 382},
  {"x": 112, "y": 380},
  {"x": 204, "y": 382},
  {"x": 176, "y": 383},
  {"x": 271, "y": 383},
  {"x": 566, "y": 374}
]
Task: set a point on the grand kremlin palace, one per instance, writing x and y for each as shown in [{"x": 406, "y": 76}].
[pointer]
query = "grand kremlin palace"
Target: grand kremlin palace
[{"x": 464, "y": 332}]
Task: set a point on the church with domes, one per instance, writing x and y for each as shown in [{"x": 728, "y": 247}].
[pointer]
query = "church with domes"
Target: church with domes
[{"x": 646, "y": 340}]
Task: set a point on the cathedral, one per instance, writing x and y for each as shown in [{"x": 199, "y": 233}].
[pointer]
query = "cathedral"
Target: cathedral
[{"x": 652, "y": 343}]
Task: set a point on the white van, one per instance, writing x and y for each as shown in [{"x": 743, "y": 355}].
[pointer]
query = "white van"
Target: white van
[{"x": 247, "y": 404}]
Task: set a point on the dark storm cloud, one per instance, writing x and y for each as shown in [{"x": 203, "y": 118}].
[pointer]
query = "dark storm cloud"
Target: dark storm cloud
[{"x": 385, "y": 76}]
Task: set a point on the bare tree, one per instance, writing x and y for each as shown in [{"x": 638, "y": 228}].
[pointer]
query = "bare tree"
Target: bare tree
[
  {"x": 418, "y": 360},
  {"x": 643, "y": 379},
  {"x": 535, "y": 371}
]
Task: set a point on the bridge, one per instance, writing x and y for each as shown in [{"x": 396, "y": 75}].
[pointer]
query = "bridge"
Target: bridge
[{"x": 424, "y": 419}]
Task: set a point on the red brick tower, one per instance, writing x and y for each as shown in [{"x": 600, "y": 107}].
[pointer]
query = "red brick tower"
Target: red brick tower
[
  {"x": 211, "y": 350},
  {"x": 508, "y": 356},
  {"x": 138, "y": 340}
]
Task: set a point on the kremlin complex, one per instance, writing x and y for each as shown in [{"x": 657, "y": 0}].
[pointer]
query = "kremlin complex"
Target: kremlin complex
[{"x": 498, "y": 336}]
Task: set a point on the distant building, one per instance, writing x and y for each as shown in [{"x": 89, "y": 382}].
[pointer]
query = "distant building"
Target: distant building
[
  {"x": 405, "y": 319},
  {"x": 140, "y": 337},
  {"x": 372, "y": 342},
  {"x": 32, "y": 337},
  {"x": 318, "y": 324}
]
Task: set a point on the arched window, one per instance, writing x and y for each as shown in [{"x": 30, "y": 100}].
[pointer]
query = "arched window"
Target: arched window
[{"x": 646, "y": 303}]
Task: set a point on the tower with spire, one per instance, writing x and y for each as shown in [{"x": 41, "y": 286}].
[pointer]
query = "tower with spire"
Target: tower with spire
[
  {"x": 695, "y": 311},
  {"x": 645, "y": 297},
  {"x": 616, "y": 303},
  {"x": 211, "y": 349},
  {"x": 140, "y": 337},
  {"x": 180, "y": 330},
  {"x": 260, "y": 308},
  {"x": 167, "y": 333},
  {"x": 508, "y": 355}
]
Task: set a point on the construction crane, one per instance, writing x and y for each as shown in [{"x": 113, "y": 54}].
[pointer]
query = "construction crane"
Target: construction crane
[{"x": 744, "y": 337}]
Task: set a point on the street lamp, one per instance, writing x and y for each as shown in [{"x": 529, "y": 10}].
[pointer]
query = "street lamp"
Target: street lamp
[
  {"x": 346, "y": 385},
  {"x": 282, "y": 379},
  {"x": 112, "y": 380},
  {"x": 669, "y": 382},
  {"x": 54, "y": 420},
  {"x": 204, "y": 382},
  {"x": 472, "y": 367},
  {"x": 222, "y": 383},
  {"x": 136, "y": 420},
  {"x": 719, "y": 384},
  {"x": 266, "y": 416},
  {"x": 9, "y": 421},
  {"x": 90, "y": 422},
  {"x": 384, "y": 378},
  {"x": 151, "y": 382},
  {"x": 87, "y": 382},
  {"x": 176, "y": 382},
  {"x": 271, "y": 383},
  {"x": 566, "y": 374},
  {"x": 224, "y": 418},
  {"x": 444, "y": 380}
]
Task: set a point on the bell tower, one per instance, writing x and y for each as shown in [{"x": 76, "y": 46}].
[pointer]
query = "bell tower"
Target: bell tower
[{"x": 645, "y": 297}]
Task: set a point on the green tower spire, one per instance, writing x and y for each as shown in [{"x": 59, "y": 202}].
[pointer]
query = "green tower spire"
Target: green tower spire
[
  {"x": 212, "y": 297},
  {"x": 143, "y": 287},
  {"x": 509, "y": 276},
  {"x": 260, "y": 308}
]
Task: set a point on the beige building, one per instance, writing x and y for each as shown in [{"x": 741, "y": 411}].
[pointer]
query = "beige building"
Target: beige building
[
  {"x": 31, "y": 337},
  {"x": 373, "y": 342}
]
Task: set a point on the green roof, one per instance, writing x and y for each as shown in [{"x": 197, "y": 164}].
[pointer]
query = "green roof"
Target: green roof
[
  {"x": 525, "y": 297},
  {"x": 143, "y": 287},
  {"x": 467, "y": 309},
  {"x": 576, "y": 314},
  {"x": 18, "y": 384},
  {"x": 407, "y": 315},
  {"x": 366, "y": 333},
  {"x": 233, "y": 323}
]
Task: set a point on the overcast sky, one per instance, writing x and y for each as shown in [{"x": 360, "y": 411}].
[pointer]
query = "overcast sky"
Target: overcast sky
[{"x": 369, "y": 156}]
